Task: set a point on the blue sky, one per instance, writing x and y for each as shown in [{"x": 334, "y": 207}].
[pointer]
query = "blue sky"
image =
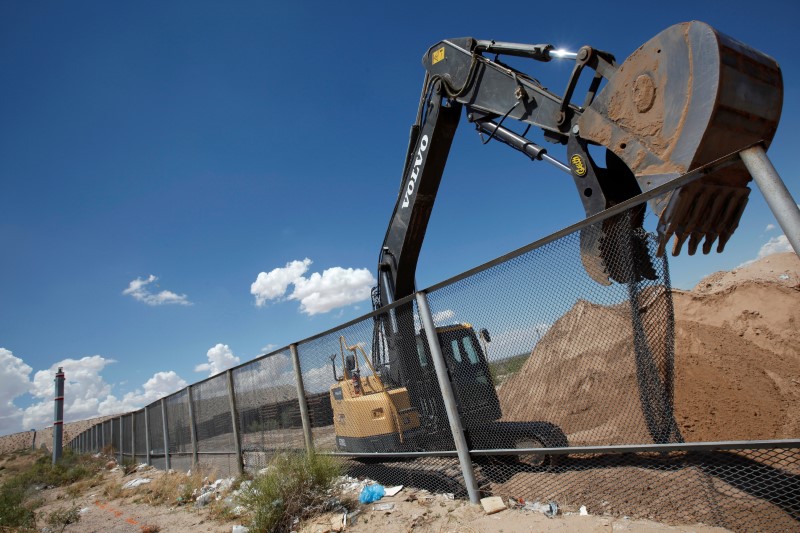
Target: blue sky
[{"x": 156, "y": 157}]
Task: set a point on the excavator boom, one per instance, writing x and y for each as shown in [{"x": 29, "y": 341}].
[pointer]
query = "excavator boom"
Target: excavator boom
[{"x": 685, "y": 98}]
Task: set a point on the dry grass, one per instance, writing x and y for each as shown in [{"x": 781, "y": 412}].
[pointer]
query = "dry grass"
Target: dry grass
[
  {"x": 176, "y": 488},
  {"x": 112, "y": 489}
]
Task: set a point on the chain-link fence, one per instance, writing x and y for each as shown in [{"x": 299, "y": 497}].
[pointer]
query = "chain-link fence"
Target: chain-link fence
[{"x": 547, "y": 374}]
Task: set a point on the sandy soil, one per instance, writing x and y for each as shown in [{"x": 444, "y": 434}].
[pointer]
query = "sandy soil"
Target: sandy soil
[
  {"x": 737, "y": 363},
  {"x": 411, "y": 510}
]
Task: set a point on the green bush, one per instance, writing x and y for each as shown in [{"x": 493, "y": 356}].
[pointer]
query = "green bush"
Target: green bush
[
  {"x": 14, "y": 513},
  {"x": 295, "y": 486},
  {"x": 16, "y": 508}
]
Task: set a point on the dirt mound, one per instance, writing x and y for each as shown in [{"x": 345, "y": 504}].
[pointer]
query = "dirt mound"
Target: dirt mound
[
  {"x": 737, "y": 362},
  {"x": 582, "y": 374},
  {"x": 738, "y": 353}
]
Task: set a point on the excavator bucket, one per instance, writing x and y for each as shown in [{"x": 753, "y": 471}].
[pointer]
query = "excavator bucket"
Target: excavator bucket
[{"x": 685, "y": 98}]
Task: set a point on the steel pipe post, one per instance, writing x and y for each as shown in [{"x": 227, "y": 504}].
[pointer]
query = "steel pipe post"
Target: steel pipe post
[
  {"x": 450, "y": 404},
  {"x": 192, "y": 426},
  {"x": 121, "y": 439},
  {"x": 147, "y": 436},
  {"x": 237, "y": 443},
  {"x": 167, "y": 464},
  {"x": 133, "y": 437},
  {"x": 776, "y": 194},
  {"x": 301, "y": 397}
]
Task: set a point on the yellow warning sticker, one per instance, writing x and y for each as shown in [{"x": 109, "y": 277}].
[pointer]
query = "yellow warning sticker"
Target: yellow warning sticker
[
  {"x": 578, "y": 165},
  {"x": 438, "y": 55}
]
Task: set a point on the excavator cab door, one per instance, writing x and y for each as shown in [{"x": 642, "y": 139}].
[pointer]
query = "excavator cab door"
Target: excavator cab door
[{"x": 469, "y": 374}]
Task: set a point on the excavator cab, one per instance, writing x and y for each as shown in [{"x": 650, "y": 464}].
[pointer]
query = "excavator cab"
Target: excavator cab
[
  {"x": 371, "y": 416},
  {"x": 468, "y": 369}
]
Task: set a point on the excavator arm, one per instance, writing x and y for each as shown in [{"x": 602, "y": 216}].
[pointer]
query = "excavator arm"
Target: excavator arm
[{"x": 685, "y": 98}]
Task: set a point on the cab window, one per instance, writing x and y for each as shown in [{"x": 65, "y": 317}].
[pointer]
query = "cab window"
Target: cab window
[
  {"x": 469, "y": 349},
  {"x": 456, "y": 351},
  {"x": 423, "y": 358}
]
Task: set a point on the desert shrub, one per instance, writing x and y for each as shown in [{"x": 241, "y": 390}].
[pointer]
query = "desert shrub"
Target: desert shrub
[
  {"x": 15, "y": 514},
  {"x": 59, "y": 519},
  {"x": 295, "y": 486},
  {"x": 16, "y": 506}
]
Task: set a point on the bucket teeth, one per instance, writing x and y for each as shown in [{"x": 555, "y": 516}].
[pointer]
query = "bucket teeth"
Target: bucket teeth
[{"x": 701, "y": 211}]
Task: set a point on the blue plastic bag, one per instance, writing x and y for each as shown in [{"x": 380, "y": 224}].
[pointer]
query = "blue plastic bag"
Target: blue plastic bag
[{"x": 371, "y": 493}]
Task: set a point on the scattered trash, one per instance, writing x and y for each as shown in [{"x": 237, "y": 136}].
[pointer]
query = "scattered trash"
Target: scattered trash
[
  {"x": 350, "y": 518},
  {"x": 204, "y": 499},
  {"x": 240, "y": 529},
  {"x": 536, "y": 506},
  {"x": 392, "y": 491},
  {"x": 493, "y": 504},
  {"x": 371, "y": 493},
  {"x": 582, "y": 511},
  {"x": 84, "y": 510},
  {"x": 549, "y": 509},
  {"x": 383, "y": 507},
  {"x": 135, "y": 483}
]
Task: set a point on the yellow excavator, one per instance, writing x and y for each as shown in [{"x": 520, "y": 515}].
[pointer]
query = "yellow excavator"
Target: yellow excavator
[{"x": 685, "y": 98}]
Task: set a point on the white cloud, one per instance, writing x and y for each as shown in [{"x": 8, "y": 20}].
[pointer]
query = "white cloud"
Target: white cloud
[
  {"x": 336, "y": 287},
  {"x": 139, "y": 291},
  {"x": 220, "y": 358},
  {"x": 319, "y": 293},
  {"x": 160, "y": 385},
  {"x": 268, "y": 348},
  {"x": 440, "y": 317},
  {"x": 273, "y": 284},
  {"x": 769, "y": 227},
  {"x": 775, "y": 245},
  {"x": 86, "y": 393},
  {"x": 14, "y": 381}
]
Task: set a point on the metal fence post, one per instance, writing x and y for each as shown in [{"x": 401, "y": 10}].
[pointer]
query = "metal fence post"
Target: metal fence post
[
  {"x": 775, "y": 193},
  {"x": 133, "y": 436},
  {"x": 121, "y": 441},
  {"x": 192, "y": 426},
  {"x": 301, "y": 397},
  {"x": 102, "y": 436},
  {"x": 237, "y": 443},
  {"x": 147, "y": 435},
  {"x": 449, "y": 398},
  {"x": 167, "y": 464},
  {"x": 111, "y": 420}
]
